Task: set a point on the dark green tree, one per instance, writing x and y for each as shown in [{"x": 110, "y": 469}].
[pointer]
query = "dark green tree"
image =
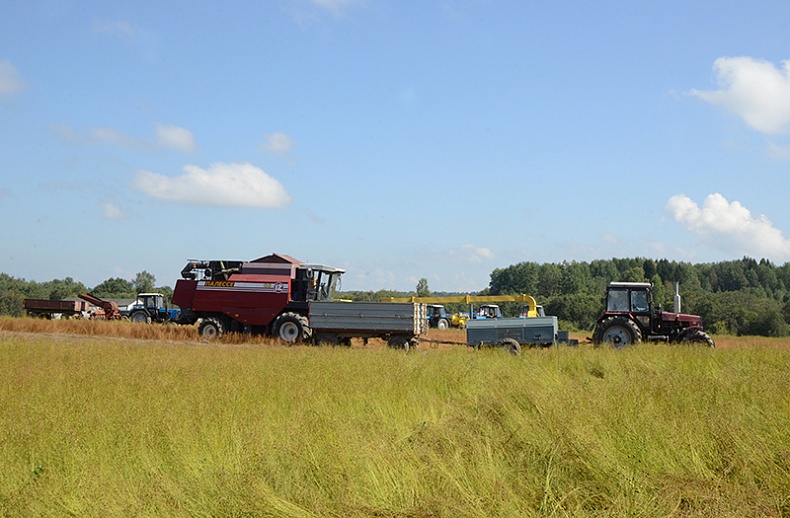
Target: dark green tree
[
  {"x": 114, "y": 288},
  {"x": 144, "y": 282},
  {"x": 422, "y": 288}
]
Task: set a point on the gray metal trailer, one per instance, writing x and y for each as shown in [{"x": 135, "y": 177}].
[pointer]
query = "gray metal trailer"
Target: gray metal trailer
[
  {"x": 512, "y": 333},
  {"x": 399, "y": 323}
]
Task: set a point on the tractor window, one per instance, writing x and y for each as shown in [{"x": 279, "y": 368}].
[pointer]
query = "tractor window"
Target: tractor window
[
  {"x": 617, "y": 300},
  {"x": 639, "y": 301}
]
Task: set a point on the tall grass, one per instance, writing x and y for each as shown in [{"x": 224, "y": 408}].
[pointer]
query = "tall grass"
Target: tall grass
[{"x": 95, "y": 427}]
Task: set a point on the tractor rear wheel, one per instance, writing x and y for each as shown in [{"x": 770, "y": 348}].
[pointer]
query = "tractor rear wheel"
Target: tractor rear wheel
[
  {"x": 699, "y": 338},
  {"x": 618, "y": 332},
  {"x": 443, "y": 323},
  {"x": 140, "y": 317},
  {"x": 211, "y": 328},
  {"x": 291, "y": 327}
]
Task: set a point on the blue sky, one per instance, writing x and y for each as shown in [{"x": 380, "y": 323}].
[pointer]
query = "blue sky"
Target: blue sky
[{"x": 399, "y": 140}]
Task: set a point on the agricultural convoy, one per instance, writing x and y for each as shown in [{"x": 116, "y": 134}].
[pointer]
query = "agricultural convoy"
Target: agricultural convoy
[{"x": 280, "y": 296}]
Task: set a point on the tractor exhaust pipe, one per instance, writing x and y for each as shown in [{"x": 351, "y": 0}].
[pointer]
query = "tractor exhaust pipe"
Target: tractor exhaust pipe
[{"x": 677, "y": 297}]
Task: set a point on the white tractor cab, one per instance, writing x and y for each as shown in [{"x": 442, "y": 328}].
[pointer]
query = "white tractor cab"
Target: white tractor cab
[
  {"x": 487, "y": 311},
  {"x": 525, "y": 312}
]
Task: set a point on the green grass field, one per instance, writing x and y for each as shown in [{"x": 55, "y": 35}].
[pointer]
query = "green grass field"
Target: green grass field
[{"x": 100, "y": 426}]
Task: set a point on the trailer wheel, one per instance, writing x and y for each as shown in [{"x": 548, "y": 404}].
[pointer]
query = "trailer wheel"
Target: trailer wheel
[
  {"x": 618, "y": 332},
  {"x": 699, "y": 338},
  {"x": 211, "y": 328},
  {"x": 290, "y": 327},
  {"x": 140, "y": 317},
  {"x": 398, "y": 342},
  {"x": 511, "y": 345}
]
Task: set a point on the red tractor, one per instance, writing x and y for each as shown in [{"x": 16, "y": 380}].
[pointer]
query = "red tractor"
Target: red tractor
[
  {"x": 631, "y": 316},
  {"x": 270, "y": 295}
]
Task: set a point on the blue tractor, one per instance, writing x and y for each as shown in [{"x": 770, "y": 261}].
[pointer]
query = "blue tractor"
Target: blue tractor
[{"x": 152, "y": 307}]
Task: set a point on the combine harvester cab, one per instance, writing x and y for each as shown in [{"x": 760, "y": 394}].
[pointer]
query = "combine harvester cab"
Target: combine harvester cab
[{"x": 283, "y": 297}]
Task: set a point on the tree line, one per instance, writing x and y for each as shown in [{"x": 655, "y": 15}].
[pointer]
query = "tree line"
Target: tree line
[
  {"x": 740, "y": 297},
  {"x": 13, "y": 291}
]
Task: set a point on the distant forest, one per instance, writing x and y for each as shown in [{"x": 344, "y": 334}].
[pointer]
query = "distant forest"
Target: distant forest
[{"x": 742, "y": 297}]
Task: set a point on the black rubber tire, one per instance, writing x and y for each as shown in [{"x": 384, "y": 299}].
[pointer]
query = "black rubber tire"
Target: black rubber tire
[
  {"x": 399, "y": 342},
  {"x": 291, "y": 327},
  {"x": 512, "y": 346},
  {"x": 211, "y": 328},
  {"x": 699, "y": 338},
  {"x": 617, "y": 332},
  {"x": 140, "y": 317},
  {"x": 443, "y": 323}
]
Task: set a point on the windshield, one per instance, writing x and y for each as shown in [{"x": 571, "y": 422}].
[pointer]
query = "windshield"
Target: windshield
[
  {"x": 617, "y": 301},
  {"x": 327, "y": 284}
]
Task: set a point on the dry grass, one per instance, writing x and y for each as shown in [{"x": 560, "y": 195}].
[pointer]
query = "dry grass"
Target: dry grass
[
  {"x": 115, "y": 419},
  {"x": 439, "y": 339}
]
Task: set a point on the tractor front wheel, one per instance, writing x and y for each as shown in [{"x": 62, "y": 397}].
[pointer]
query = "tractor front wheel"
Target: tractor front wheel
[
  {"x": 618, "y": 332},
  {"x": 699, "y": 338}
]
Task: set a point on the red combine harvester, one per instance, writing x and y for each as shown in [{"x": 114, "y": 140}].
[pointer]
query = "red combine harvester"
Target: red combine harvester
[{"x": 283, "y": 297}]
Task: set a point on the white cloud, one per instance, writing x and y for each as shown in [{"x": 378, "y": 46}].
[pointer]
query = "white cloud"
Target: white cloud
[
  {"x": 471, "y": 254},
  {"x": 278, "y": 143},
  {"x": 168, "y": 137},
  {"x": 10, "y": 80},
  {"x": 754, "y": 90},
  {"x": 222, "y": 185},
  {"x": 115, "y": 137},
  {"x": 730, "y": 227},
  {"x": 114, "y": 28},
  {"x": 333, "y": 5},
  {"x": 112, "y": 211},
  {"x": 175, "y": 137}
]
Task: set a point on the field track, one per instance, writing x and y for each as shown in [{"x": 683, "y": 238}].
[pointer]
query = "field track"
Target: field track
[{"x": 435, "y": 339}]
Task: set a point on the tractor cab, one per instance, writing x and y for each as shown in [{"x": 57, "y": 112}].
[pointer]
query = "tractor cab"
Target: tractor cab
[
  {"x": 629, "y": 297},
  {"x": 488, "y": 311}
]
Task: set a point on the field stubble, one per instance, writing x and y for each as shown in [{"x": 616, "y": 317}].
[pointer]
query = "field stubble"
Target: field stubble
[{"x": 169, "y": 425}]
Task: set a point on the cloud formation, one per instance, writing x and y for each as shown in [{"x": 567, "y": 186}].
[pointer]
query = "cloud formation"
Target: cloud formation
[
  {"x": 175, "y": 137},
  {"x": 10, "y": 79},
  {"x": 730, "y": 227},
  {"x": 112, "y": 210},
  {"x": 121, "y": 28},
  {"x": 470, "y": 254},
  {"x": 168, "y": 137},
  {"x": 222, "y": 185},
  {"x": 277, "y": 143},
  {"x": 754, "y": 90},
  {"x": 332, "y": 5}
]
